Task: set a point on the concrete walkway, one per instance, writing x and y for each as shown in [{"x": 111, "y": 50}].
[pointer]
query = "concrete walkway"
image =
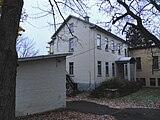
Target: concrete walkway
[{"x": 119, "y": 114}]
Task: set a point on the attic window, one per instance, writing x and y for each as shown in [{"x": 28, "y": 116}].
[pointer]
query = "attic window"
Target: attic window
[
  {"x": 71, "y": 44},
  {"x": 106, "y": 45},
  {"x": 113, "y": 47},
  {"x": 71, "y": 27}
]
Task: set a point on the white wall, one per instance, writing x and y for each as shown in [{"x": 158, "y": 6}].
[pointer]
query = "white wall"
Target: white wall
[
  {"x": 107, "y": 56},
  {"x": 40, "y": 86},
  {"x": 86, "y": 54}
]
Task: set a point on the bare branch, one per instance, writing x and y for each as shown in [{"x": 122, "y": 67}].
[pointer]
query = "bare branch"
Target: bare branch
[{"x": 118, "y": 18}]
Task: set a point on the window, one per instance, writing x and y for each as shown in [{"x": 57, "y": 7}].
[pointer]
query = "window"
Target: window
[
  {"x": 152, "y": 82},
  {"x": 119, "y": 48},
  {"x": 113, "y": 47},
  {"x": 155, "y": 62},
  {"x": 125, "y": 52},
  {"x": 106, "y": 45},
  {"x": 138, "y": 61},
  {"x": 98, "y": 41},
  {"x": 71, "y": 68},
  {"x": 99, "y": 68},
  {"x": 71, "y": 27},
  {"x": 71, "y": 44},
  {"x": 107, "y": 68},
  {"x": 119, "y": 51},
  {"x": 113, "y": 69},
  {"x": 142, "y": 81},
  {"x": 158, "y": 81}
]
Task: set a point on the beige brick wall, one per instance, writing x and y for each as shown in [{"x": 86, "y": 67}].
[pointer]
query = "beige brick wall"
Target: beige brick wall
[{"x": 146, "y": 64}]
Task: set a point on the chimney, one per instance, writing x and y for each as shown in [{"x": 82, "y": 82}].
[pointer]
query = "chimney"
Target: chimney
[
  {"x": 109, "y": 30},
  {"x": 86, "y": 18}
]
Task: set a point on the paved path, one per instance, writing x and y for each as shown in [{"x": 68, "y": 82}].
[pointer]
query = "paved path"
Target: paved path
[{"x": 119, "y": 114}]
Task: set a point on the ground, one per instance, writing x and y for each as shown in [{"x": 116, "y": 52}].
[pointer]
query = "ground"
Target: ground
[{"x": 142, "y": 105}]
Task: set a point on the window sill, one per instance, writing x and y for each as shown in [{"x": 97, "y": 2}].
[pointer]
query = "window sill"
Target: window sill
[
  {"x": 71, "y": 75},
  {"x": 71, "y": 50},
  {"x": 99, "y": 48},
  {"x": 99, "y": 75},
  {"x": 107, "y": 75},
  {"x": 156, "y": 69}
]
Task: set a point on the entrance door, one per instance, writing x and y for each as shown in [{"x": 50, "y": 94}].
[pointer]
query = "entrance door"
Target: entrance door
[{"x": 125, "y": 71}]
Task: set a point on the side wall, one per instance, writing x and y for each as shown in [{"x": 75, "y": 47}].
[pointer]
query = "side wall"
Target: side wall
[
  {"x": 40, "y": 86},
  {"x": 108, "y": 56}
]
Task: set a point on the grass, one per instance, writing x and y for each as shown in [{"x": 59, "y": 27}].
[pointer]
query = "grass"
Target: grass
[{"x": 144, "y": 97}]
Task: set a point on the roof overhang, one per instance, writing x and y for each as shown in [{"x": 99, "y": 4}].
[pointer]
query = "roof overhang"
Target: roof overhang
[
  {"x": 44, "y": 57},
  {"x": 126, "y": 60}
]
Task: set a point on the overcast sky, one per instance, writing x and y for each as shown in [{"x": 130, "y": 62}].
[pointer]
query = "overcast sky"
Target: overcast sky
[{"x": 36, "y": 28}]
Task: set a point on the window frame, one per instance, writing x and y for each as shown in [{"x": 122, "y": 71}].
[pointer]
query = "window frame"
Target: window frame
[
  {"x": 125, "y": 52},
  {"x": 71, "y": 44},
  {"x": 98, "y": 41},
  {"x": 113, "y": 46},
  {"x": 71, "y": 27},
  {"x": 71, "y": 68},
  {"x": 151, "y": 80},
  {"x": 107, "y": 68},
  {"x": 155, "y": 64},
  {"x": 138, "y": 63},
  {"x": 113, "y": 69},
  {"x": 99, "y": 68},
  {"x": 158, "y": 82},
  {"x": 107, "y": 44}
]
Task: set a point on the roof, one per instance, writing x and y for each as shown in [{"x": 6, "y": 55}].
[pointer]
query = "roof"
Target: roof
[
  {"x": 125, "y": 59},
  {"x": 43, "y": 57},
  {"x": 92, "y": 26}
]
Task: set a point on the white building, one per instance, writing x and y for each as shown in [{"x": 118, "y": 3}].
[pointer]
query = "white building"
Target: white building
[
  {"x": 97, "y": 53},
  {"x": 40, "y": 84}
]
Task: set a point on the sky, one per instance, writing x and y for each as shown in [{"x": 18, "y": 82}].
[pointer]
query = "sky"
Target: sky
[
  {"x": 38, "y": 29},
  {"x": 34, "y": 27}
]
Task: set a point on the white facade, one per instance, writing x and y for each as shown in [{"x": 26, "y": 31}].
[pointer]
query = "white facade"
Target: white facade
[
  {"x": 40, "y": 84},
  {"x": 90, "y": 49}
]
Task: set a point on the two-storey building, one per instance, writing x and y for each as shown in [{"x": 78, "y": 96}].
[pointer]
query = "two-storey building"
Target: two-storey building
[{"x": 98, "y": 54}]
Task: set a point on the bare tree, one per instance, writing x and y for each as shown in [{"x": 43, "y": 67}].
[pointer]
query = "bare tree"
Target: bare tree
[
  {"x": 143, "y": 15},
  {"x": 9, "y": 23},
  {"x": 26, "y": 47}
]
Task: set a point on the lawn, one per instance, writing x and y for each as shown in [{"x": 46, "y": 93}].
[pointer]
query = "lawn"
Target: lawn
[{"x": 144, "y": 97}]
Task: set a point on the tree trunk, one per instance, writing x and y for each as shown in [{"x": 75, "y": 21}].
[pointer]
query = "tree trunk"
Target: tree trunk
[{"x": 9, "y": 23}]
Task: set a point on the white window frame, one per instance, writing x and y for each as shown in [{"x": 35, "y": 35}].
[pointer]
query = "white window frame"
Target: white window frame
[
  {"x": 107, "y": 68},
  {"x": 71, "y": 27},
  {"x": 106, "y": 45},
  {"x": 98, "y": 41},
  {"x": 99, "y": 68},
  {"x": 71, "y": 68},
  {"x": 113, "y": 69},
  {"x": 71, "y": 44},
  {"x": 113, "y": 46}
]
